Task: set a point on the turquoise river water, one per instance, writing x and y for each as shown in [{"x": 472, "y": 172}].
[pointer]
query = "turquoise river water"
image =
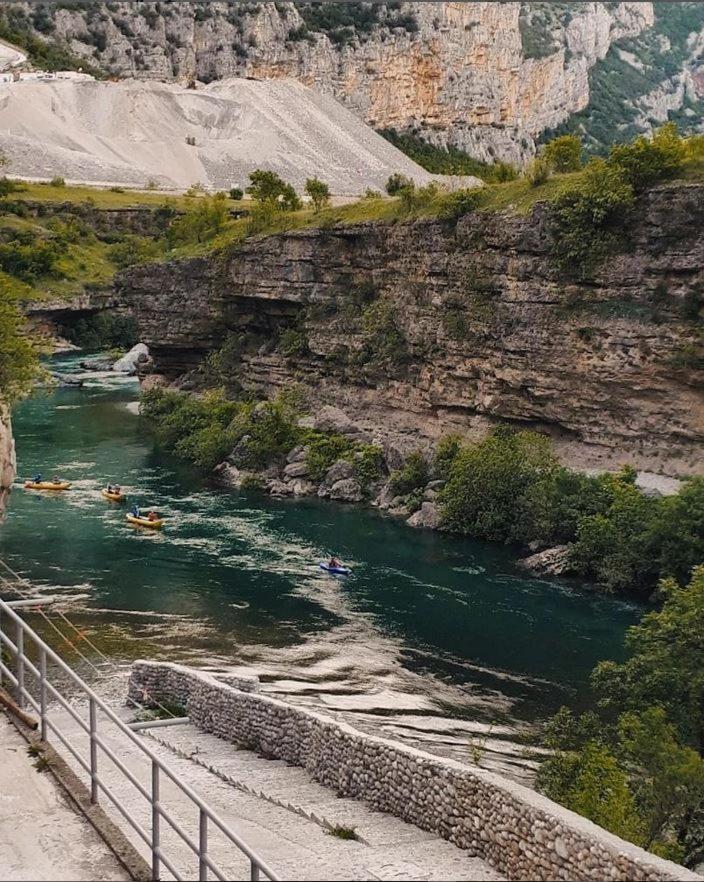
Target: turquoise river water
[{"x": 434, "y": 639}]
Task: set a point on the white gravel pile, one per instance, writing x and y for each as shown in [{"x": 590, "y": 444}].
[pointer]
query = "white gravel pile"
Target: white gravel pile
[{"x": 131, "y": 132}]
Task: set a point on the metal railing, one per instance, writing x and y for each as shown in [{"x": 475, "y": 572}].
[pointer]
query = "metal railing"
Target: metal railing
[{"x": 26, "y": 638}]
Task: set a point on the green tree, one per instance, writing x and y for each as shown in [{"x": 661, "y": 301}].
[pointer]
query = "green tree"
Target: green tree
[
  {"x": 563, "y": 154},
  {"x": 665, "y": 664},
  {"x": 268, "y": 187},
  {"x": 488, "y": 479},
  {"x": 318, "y": 192},
  {"x": 397, "y": 182},
  {"x": 19, "y": 358}
]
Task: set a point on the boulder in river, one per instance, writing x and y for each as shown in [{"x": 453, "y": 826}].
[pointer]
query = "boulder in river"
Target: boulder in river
[
  {"x": 428, "y": 516},
  {"x": 97, "y": 364},
  {"x": 128, "y": 363},
  {"x": 346, "y": 490}
]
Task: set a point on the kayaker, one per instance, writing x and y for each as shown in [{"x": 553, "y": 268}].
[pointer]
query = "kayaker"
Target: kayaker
[
  {"x": 37, "y": 479},
  {"x": 56, "y": 480},
  {"x": 116, "y": 489},
  {"x": 334, "y": 563},
  {"x": 153, "y": 516},
  {"x": 135, "y": 511}
]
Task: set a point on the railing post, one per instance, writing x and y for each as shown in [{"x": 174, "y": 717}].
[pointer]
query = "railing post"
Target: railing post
[
  {"x": 203, "y": 848},
  {"x": 19, "y": 643},
  {"x": 253, "y": 872},
  {"x": 93, "y": 753},
  {"x": 156, "y": 838},
  {"x": 42, "y": 693}
]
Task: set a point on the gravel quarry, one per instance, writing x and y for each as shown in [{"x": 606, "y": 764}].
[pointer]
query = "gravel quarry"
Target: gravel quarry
[{"x": 134, "y": 132}]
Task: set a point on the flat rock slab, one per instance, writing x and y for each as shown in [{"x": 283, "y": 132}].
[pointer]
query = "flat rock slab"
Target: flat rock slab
[{"x": 42, "y": 837}]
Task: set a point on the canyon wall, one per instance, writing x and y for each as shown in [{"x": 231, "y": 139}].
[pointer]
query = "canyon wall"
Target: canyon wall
[
  {"x": 422, "y": 328},
  {"x": 487, "y": 77}
]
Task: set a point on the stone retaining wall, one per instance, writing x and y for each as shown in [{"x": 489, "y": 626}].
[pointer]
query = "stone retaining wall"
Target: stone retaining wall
[{"x": 519, "y": 832}]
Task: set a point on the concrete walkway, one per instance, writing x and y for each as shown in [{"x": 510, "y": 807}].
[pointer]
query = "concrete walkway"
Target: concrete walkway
[
  {"x": 278, "y": 810},
  {"x": 42, "y": 837}
]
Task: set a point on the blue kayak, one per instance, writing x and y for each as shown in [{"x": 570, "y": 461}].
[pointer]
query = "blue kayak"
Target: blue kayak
[{"x": 336, "y": 571}]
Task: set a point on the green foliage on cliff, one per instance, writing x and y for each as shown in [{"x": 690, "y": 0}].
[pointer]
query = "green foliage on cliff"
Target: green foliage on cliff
[
  {"x": 46, "y": 54},
  {"x": 563, "y": 154},
  {"x": 447, "y": 160},
  {"x": 510, "y": 488},
  {"x": 413, "y": 475},
  {"x": 209, "y": 428},
  {"x": 19, "y": 355},
  {"x": 344, "y": 23},
  {"x": 266, "y": 187},
  {"x": 636, "y": 766},
  {"x": 103, "y": 330}
]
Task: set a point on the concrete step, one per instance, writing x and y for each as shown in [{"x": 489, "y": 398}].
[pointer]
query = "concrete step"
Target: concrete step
[{"x": 275, "y": 808}]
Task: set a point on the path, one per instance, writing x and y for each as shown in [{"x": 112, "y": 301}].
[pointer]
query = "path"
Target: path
[
  {"x": 42, "y": 837},
  {"x": 10, "y": 57},
  {"x": 280, "y": 812}
]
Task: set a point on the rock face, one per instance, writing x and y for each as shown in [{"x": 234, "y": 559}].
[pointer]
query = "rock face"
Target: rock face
[
  {"x": 418, "y": 329},
  {"x": 8, "y": 463},
  {"x": 487, "y": 77}
]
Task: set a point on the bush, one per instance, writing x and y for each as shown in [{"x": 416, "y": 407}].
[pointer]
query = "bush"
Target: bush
[
  {"x": 293, "y": 343},
  {"x": 396, "y": 183},
  {"x": 268, "y": 187},
  {"x": 323, "y": 451},
  {"x": 384, "y": 341},
  {"x": 414, "y": 475},
  {"x": 460, "y": 202},
  {"x": 446, "y": 452},
  {"x": 487, "y": 480},
  {"x": 538, "y": 171},
  {"x": 236, "y": 193},
  {"x": 563, "y": 154},
  {"x": 588, "y": 220},
  {"x": 133, "y": 250},
  {"x": 645, "y": 161},
  {"x": 57, "y": 182},
  {"x": 200, "y": 223},
  {"x": 318, "y": 193},
  {"x": 31, "y": 258},
  {"x": 7, "y": 187}
]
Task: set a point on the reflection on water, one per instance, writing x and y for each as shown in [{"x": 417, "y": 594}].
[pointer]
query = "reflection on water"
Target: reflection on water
[{"x": 433, "y": 639}]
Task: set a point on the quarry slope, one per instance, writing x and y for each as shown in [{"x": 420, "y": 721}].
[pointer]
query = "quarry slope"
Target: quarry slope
[{"x": 132, "y": 132}]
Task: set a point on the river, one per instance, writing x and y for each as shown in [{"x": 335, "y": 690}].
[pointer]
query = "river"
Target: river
[{"x": 437, "y": 640}]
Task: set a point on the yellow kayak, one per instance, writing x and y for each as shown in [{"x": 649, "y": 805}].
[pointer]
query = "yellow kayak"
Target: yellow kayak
[
  {"x": 113, "y": 497},
  {"x": 46, "y": 485},
  {"x": 145, "y": 522}
]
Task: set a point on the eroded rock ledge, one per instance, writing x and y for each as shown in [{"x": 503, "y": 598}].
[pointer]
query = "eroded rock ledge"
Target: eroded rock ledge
[{"x": 486, "y": 330}]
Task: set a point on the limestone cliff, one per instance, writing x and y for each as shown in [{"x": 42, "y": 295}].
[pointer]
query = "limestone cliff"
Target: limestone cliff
[
  {"x": 424, "y": 328},
  {"x": 7, "y": 458},
  {"x": 487, "y": 77}
]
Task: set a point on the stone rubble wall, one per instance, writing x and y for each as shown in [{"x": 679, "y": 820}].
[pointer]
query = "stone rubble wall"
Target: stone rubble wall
[{"x": 519, "y": 832}]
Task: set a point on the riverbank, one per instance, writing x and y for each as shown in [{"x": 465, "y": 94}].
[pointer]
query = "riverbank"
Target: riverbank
[{"x": 508, "y": 487}]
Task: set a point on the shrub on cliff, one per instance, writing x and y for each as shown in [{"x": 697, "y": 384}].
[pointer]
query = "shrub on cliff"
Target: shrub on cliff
[
  {"x": 268, "y": 187},
  {"x": 396, "y": 182},
  {"x": 413, "y": 475},
  {"x": 645, "y": 161},
  {"x": 563, "y": 154},
  {"x": 587, "y": 221},
  {"x": 460, "y": 202},
  {"x": 200, "y": 223},
  {"x": 132, "y": 250}
]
